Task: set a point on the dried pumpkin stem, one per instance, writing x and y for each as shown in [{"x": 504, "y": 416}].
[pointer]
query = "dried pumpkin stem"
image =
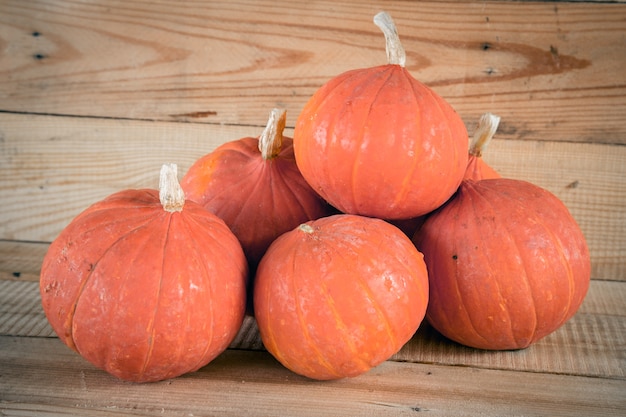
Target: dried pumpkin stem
[
  {"x": 271, "y": 140},
  {"x": 487, "y": 126},
  {"x": 171, "y": 193},
  {"x": 395, "y": 50},
  {"x": 308, "y": 229}
]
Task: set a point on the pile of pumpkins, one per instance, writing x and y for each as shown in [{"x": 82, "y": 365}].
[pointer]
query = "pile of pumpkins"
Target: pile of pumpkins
[{"x": 378, "y": 214}]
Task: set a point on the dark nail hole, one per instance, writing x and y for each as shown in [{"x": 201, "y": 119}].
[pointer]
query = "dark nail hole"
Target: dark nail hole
[
  {"x": 17, "y": 274},
  {"x": 39, "y": 56},
  {"x": 486, "y": 46},
  {"x": 36, "y": 34}
]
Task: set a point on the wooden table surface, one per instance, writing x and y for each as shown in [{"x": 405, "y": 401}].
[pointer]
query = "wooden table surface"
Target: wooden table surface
[{"x": 96, "y": 95}]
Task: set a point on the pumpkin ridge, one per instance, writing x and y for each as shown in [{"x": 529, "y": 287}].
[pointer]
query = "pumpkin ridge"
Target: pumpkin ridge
[
  {"x": 566, "y": 265},
  {"x": 380, "y": 313},
  {"x": 570, "y": 275},
  {"x": 342, "y": 325},
  {"x": 251, "y": 192},
  {"x": 529, "y": 288},
  {"x": 373, "y": 74},
  {"x": 480, "y": 236},
  {"x": 345, "y": 335},
  {"x": 321, "y": 358},
  {"x": 319, "y": 100},
  {"x": 150, "y": 326},
  {"x": 269, "y": 339},
  {"x": 468, "y": 320},
  {"x": 456, "y": 282},
  {"x": 203, "y": 171},
  {"x": 191, "y": 231},
  {"x": 290, "y": 185},
  {"x": 70, "y": 316},
  {"x": 439, "y": 103},
  {"x": 106, "y": 361},
  {"x": 415, "y": 160},
  {"x": 192, "y": 217},
  {"x": 145, "y": 215},
  {"x": 341, "y": 81},
  {"x": 218, "y": 155}
]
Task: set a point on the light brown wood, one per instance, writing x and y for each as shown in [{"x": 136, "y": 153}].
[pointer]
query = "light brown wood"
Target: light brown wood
[
  {"x": 40, "y": 375},
  {"x": 552, "y": 70}
]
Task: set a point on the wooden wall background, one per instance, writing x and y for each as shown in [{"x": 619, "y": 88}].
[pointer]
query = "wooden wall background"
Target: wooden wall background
[{"x": 95, "y": 96}]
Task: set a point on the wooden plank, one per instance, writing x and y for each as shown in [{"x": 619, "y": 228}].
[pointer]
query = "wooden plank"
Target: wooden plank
[
  {"x": 42, "y": 376},
  {"x": 590, "y": 344},
  {"x": 21, "y": 260},
  {"x": 554, "y": 71},
  {"x": 52, "y": 168}
]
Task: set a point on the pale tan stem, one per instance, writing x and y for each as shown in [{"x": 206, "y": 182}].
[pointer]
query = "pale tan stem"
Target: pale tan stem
[
  {"x": 395, "y": 50},
  {"x": 271, "y": 140},
  {"x": 308, "y": 229},
  {"x": 171, "y": 193},
  {"x": 487, "y": 126}
]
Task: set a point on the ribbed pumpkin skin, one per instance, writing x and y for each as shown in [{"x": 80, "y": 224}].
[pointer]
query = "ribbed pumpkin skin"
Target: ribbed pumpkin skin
[
  {"x": 478, "y": 169},
  {"x": 379, "y": 143},
  {"x": 340, "y": 299},
  {"x": 143, "y": 293},
  {"x": 258, "y": 199},
  {"x": 507, "y": 264}
]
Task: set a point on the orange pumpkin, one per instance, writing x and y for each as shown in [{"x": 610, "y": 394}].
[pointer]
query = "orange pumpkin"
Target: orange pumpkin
[
  {"x": 507, "y": 264},
  {"x": 477, "y": 168},
  {"x": 254, "y": 185},
  {"x": 379, "y": 143},
  {"x": 144, "y": 284},
  {"x": 339, "y": 295}
]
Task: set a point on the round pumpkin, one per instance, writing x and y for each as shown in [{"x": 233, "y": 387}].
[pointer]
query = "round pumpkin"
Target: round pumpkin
[
  {"x": 377, "y": 142},
  {"x": 144, "y": 284},
  {"x": 254, "y": 185},
  {"x": 477, "y": 168},
  {"x": 507, "y": 264},
  {"x": 339, "y": 295}
]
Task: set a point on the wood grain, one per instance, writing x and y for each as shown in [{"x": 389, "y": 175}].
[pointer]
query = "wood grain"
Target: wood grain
[
  {"x": 554, "y": 71},
  {"x": 42, "y": 375},
  {"x": 52, "y": 168}
]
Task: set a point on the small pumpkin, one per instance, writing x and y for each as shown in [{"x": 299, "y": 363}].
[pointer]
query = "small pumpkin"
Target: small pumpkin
[
  {"x": 254, "y": 185},
  {"x": 377, "y": 142},
  {"x": 339, "y": 295},
  {"x": 477, "y": 168},
  {"x": 144, "y": 284},
  {"x": 507, "y": 264}
]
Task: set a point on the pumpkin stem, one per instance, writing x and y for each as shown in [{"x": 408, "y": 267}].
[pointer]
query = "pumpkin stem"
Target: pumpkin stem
[
  {"x": 171, "y": 193},
  {"x": 306, "y": 228},
  {"x": 395, "y": 50},
  {"x": 271, "y": 140},
  {"x": 487, "y": 126}
]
